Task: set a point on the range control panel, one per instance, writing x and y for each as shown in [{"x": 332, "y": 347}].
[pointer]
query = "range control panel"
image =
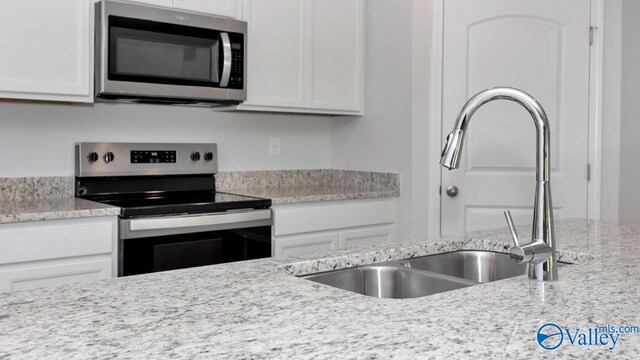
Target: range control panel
[
  {"x": 153, "y": 156},
  {"x": 131, "y": 159}
]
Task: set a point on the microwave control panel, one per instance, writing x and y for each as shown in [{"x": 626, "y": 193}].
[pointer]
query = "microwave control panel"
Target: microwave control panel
[{"x": 236, "y": 78}]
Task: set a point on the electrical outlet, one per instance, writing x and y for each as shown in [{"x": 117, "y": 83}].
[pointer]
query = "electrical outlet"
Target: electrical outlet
[{"x": 274, "y": 146}]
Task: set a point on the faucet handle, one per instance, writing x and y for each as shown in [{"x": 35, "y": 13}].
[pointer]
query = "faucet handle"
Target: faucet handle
[
  {"x": 521, "y": 254},
  {"x": 512, "y": 227}
]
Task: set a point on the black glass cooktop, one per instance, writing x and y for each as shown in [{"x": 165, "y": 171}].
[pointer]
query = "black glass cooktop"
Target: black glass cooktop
[{"x": 176, "y": 203}]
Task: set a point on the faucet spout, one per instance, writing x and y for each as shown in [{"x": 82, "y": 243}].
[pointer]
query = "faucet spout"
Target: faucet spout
[{"x": 542, "y": 265}]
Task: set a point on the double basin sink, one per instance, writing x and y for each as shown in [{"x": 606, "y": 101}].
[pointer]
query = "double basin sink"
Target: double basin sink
[{"x": 423, "y": 276}]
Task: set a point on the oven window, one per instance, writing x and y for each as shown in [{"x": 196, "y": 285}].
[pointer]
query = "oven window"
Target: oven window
[
  {"x": 152, "y": 52},
  {"x": 163, "y": 253}
]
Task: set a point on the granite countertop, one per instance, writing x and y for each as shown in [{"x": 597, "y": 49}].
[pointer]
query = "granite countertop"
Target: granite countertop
[
  {"x": 55, "y": 208},
  {"x": 25, "y": 199},
  {"x": 257, "y": 309},
  {"x": 295, "y": 186},
  {"x": 313, "y": 193}
]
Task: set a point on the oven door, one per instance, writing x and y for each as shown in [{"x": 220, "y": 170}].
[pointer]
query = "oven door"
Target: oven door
[
  {"x": 167, "y": 243},
  {"x": 151, "y": 52}
]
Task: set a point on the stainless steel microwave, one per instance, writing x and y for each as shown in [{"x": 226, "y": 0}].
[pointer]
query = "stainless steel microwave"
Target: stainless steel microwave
[{"x": 146, "y": 53}]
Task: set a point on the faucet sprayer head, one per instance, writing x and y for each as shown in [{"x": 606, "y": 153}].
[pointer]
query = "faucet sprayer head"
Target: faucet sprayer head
[{"x": 452, "y": 150}]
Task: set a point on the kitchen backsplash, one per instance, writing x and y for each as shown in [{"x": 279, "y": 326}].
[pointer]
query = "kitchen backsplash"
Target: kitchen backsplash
[
  {"x": 36, "y": 187},
  {"x": 313, "y": 177}
]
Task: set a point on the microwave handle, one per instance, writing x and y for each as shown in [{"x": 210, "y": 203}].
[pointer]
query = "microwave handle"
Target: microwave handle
[{"x": 226, "y": 60}]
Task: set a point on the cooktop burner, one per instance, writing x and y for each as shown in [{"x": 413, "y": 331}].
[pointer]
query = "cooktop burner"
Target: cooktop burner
[{"x": 167, "y": 204}]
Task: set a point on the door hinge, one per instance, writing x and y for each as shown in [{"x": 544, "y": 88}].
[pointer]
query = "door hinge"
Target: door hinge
[
  {"x": 588, "y": 172},
  {"x": 440, "y": 190},
  {"x": 591, "y": 30}
]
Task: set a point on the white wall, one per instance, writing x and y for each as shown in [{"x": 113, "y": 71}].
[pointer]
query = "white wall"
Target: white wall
[
  {"x": 611, "y": 110},
  {"x": 37, "y": 139},
  {"x": 423, "y": 223},
  {"x": 385, "y": 137},
  {"x": 629, "y": 209}
]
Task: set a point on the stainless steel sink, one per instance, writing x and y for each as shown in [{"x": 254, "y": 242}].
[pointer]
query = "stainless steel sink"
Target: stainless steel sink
[
  {"x": 389, "y": 281},
  {"x": 478, "y": 266},
  {"x": 423, "y": 276}
]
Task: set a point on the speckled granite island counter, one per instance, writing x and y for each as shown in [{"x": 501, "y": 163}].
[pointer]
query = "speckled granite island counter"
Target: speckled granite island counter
[
  {"x": 256, "y": 309},
  {"x": 45, "y": 198}
]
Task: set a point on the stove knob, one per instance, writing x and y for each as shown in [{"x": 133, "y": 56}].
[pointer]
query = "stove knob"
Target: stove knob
[
  {"x": 195, "y": 156},
  {"x": 93, "y": 157},
  {"x": 208, "y": 156},
  {"x": 108, "y": 157}
]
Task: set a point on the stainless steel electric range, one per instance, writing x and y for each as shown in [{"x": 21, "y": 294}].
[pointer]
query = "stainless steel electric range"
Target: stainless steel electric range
[{"x": 172, "y": 217}]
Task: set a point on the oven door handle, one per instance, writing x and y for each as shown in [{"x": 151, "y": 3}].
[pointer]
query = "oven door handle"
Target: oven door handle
[{"x": 137, "y": 228}]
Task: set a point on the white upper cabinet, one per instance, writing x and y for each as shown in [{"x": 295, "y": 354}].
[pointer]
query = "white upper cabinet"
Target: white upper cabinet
[
  {"x": 305, "y": 56},
  {"x": 277, "y": 53},
  {"x": 46, "y": 49},
  {"x": 336, "y": 50},
  {"x": 229, "y": 8},
  {"x": 166, "y": 3}
]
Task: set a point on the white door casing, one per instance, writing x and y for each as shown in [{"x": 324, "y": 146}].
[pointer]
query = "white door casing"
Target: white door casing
[{"x": 543, "y": 49}]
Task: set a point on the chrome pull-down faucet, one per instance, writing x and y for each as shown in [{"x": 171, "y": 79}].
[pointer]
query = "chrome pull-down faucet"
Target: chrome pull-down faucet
[{"x": 540, "y": 253}]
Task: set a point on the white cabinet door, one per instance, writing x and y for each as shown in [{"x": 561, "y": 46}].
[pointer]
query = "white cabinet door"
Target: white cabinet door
[
  {"x": 336, "y": 30},
  {"x": 42, "y": 240},
  {"x": 214, "y": 7},
  {"x": 366, "y": 236},
  {"x": 276, "y": 73},
  {"x": 308, "y": 227},
  {"x": 307, "y": 243},
  {"x": 46, "y": 49},
  {"x": 56, "y": 252},
  {"x": 166, "y": 3},
  {"x": 301, "y": 218},
  {"x": 53, "y": 273},
  {"x": 305, "y": 56}
]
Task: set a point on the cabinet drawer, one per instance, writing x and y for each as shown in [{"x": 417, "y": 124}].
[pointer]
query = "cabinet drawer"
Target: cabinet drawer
[
  {"x": 53, "y": 273},
  {"x": 367, "y": 236},
  {"x": 55, "y": 239},
  {"x": 304, "y": 244},
  {"x": 303, "y": 218}
]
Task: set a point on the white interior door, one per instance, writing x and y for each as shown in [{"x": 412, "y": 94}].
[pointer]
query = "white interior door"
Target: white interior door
[{"x": 541, "y": 47}]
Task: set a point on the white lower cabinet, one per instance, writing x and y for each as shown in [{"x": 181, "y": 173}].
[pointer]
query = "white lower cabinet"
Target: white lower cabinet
[
  {"x": 331, "y": 225},
  {"x": 366, "y": 236},
  {"x": 57, "y": 252},
  {"x": 53, "y": 273},
  {"x": 306, "y": 243}
]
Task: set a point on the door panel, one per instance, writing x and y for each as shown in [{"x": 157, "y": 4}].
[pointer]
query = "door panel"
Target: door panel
[{"x": 537, "y": 46}]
